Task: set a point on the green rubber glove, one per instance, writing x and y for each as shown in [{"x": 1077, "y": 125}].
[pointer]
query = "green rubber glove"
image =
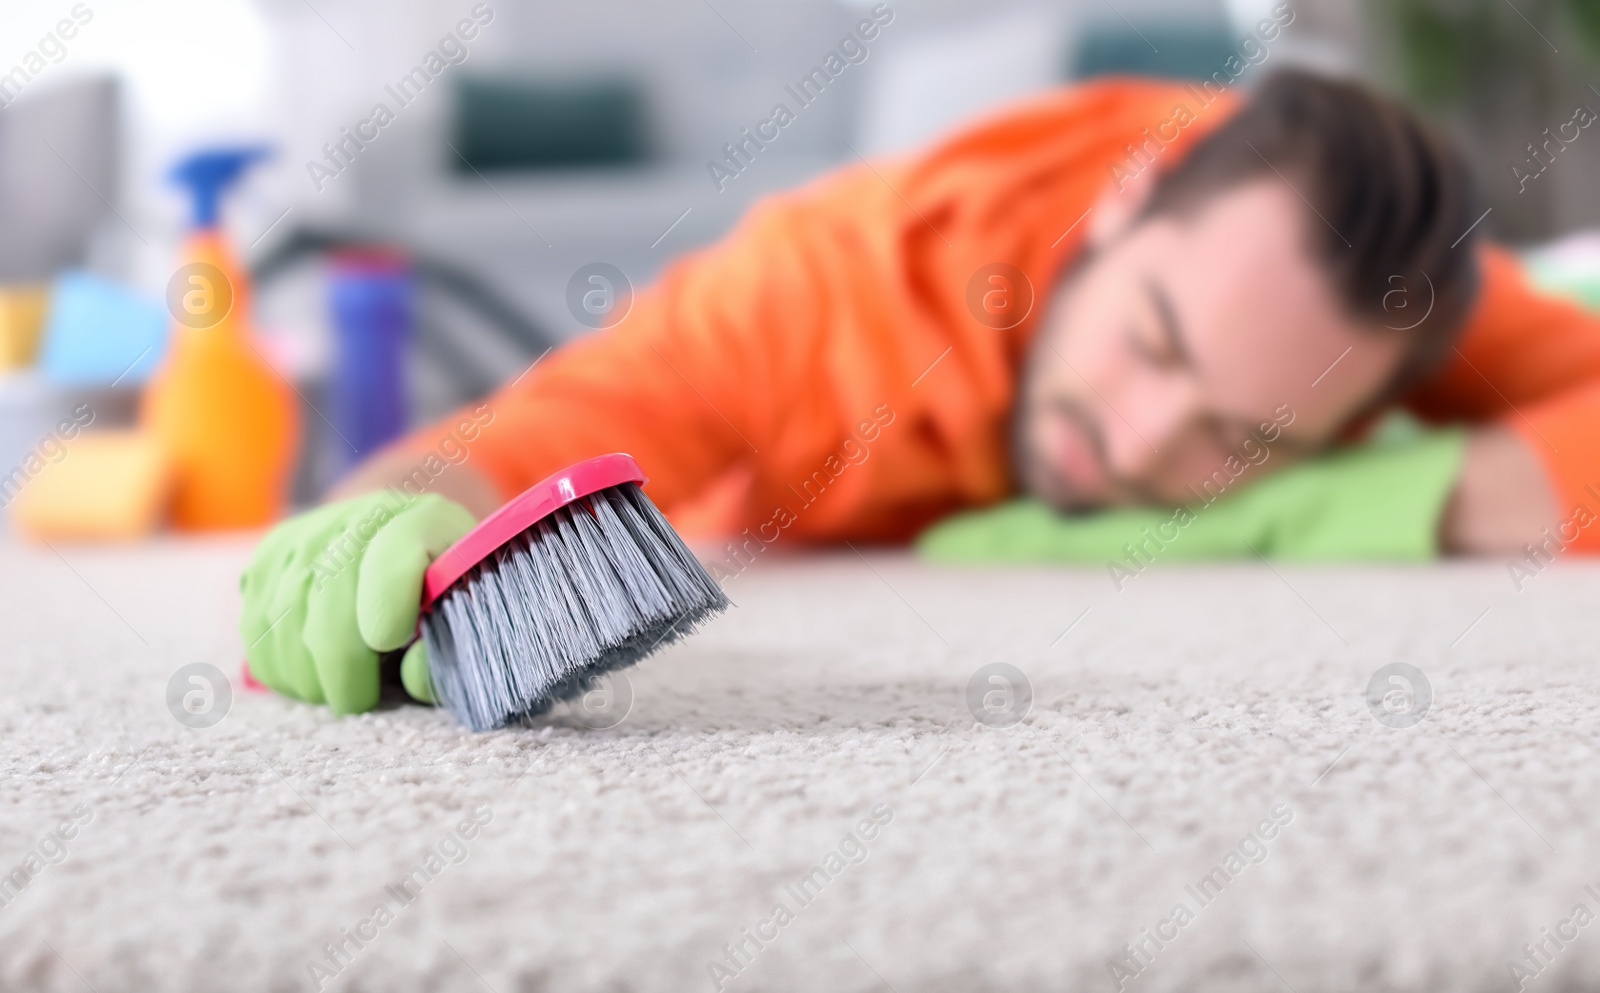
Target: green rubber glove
[
  {"x": 328, "y": 590},
  {"x": 1376, "y": 501}
]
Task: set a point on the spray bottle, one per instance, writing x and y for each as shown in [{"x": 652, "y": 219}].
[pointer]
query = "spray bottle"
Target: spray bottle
[{"x": 226, "y": 419}]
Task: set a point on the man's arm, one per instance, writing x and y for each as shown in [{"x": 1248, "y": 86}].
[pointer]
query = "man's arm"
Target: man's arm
[
  {"x": 1527, "y": 369},
  {"x": 699, "y": 375}
]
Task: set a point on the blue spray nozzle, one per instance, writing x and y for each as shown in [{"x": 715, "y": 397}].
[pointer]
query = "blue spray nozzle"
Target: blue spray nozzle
[{"x": 209, "y": 172}]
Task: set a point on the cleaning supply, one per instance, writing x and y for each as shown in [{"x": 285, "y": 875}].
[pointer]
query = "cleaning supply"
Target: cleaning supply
[
  {"x": 228, "y": 421},
  {"x": 1382, "y": 500},
  {"x": 64, "y": 478},
  {"x": 100, "y": 332},
  {"x": 579, "y": 575},
  {"x": 370, "y": 295},
  {"x": 327, "y": 591},
  {"x": 32, "y": 410},
  {"x": 107, "y": 486},
  {"x": 22, "y": 313}
]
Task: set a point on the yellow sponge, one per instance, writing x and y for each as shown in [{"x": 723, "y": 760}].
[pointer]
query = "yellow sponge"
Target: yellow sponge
[{"x": 109, "y": 485}]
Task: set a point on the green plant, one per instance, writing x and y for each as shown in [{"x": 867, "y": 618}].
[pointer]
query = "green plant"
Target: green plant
[{"x": 1448, "y": 49}]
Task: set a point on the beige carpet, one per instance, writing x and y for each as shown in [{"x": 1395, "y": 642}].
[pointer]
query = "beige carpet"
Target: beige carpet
[{"x": 814, "y": 751}]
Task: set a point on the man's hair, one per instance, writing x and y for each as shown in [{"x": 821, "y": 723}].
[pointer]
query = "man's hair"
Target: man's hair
[{"x": 1390, "y": 202}]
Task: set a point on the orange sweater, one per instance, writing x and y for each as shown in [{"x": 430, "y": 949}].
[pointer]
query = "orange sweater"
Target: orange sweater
[{"x": 817, "y": 373}]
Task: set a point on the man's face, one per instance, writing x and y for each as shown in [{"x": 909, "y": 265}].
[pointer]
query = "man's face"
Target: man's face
[{"x": 1177, "y": 340}]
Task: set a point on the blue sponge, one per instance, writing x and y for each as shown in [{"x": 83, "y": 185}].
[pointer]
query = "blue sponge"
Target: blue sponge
[{"x": 98, "y": 331}]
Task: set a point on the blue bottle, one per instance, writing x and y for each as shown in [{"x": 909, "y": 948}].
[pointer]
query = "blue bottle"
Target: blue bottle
[{"x": 370, "y": 294}]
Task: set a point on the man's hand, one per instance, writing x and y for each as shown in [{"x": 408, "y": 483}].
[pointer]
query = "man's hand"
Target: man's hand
[
  {"x": 328, "y": 590},
  {"x": 1502, "y": 499},
  {"x": 1378, "y": 501}
]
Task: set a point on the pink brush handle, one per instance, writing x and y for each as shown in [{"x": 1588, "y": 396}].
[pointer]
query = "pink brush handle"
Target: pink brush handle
[{"x": 533, "y": 505}]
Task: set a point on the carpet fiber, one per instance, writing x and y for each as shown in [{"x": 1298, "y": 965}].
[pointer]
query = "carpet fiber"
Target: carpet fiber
[{"x": 801, "y": 799}]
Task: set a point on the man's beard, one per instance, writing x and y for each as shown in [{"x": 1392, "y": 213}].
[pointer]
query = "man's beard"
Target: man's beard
[
  {"x": 1032, "y": 471},
  {"x": 1027, "y": 464}
]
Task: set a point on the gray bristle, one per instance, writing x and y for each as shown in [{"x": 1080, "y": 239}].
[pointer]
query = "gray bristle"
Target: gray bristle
[{"x": 596, "y": 586}]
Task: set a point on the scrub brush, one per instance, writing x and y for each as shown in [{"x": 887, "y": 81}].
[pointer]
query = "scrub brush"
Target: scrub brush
[{"x": 579, "y": 575}]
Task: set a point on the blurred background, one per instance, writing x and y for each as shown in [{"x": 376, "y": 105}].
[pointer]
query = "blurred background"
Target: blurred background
[{"x": 389, "y": 266}]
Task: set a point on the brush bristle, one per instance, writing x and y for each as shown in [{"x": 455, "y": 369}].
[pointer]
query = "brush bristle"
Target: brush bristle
[{"x": 595, "y": 586}]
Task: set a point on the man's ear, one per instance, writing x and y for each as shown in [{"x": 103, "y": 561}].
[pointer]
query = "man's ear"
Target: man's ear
[{"x": 1119, "y": 206}]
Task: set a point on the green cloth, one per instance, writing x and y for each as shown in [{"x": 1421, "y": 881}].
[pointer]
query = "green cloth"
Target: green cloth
[
  {"x": 1378, "y": 501},
  {"x": 328, "y": 590}
]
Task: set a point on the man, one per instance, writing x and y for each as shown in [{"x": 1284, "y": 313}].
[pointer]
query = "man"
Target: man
[{"x": 1095, "y": 297}]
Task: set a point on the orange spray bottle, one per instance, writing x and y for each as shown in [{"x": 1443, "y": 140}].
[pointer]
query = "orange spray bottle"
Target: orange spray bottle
[{"x": 226, "y": 419}]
